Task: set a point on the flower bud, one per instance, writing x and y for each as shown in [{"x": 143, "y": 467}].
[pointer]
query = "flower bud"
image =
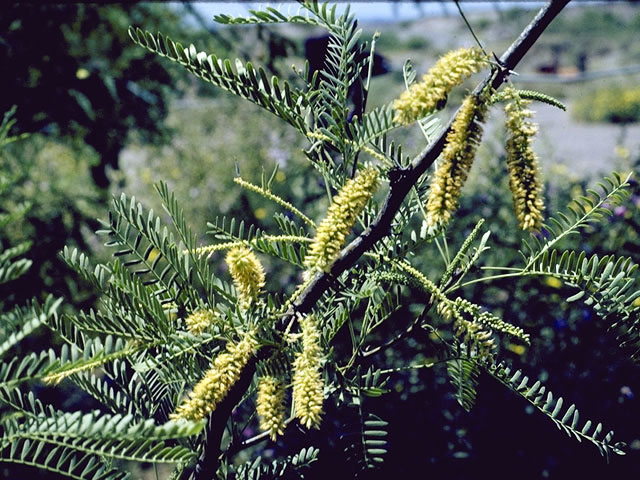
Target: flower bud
[
  {"x": 199, "y": 321},
  {"x": 308, "y": 385},
  {"x": 270, "y": 406},
  {"x": 247, "y": 274},
  {"x": 522, "y": 163}
]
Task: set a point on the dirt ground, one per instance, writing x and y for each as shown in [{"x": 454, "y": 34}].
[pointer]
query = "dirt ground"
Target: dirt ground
[{"x": 587, "y": 149}]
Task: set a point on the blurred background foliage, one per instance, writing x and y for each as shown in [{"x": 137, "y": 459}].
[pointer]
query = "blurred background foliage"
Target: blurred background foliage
[
  {"x": 105, "y": 117},
  {"x": 615, "y": 104}
]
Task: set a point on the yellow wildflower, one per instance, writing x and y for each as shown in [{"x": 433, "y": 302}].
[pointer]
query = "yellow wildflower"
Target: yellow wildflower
[
  {"x": 522, "y": 162},
  {"x": 517, "y": 349},
  {"x": 217, "y": 381},
  {"x": 199, "y": 321},
  {"x": 553, "y": 282},
  {"x": 270, "y": 406},
  {"x": 308, "y": 385},
  {"x": 341, "y": 216},
  {"x": 431, "y": 93},
  {"x": 457, "y": 157},
  {"x": 247, "y": 274}
]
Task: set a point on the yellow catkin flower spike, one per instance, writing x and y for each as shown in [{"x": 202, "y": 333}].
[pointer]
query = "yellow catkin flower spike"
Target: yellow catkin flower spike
[
  {"x": 270, "y": 406},
  {"x": 217, "y": 381},
  {"x": 308, "y": 385},
  {"x": 247, "y": 274},
  {"x": 457, "y": 157},
  {"x": 341, "y": 216},
  {"x": 522, "y": 163},
  {"x": 431, "y": 92},
  {"x": 200, "y": 320}
]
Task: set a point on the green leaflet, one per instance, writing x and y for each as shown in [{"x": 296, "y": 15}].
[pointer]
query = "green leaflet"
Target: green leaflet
[
  {"x": 18, "y": 323},
  {"x": 567, "y": 419},
  {"x": 463, "y": 375},
  {"x": 582, "y": 211},
  {"x": 270, "y": 93}
]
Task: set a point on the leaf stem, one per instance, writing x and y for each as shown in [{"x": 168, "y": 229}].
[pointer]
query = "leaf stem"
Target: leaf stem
[{"x": 491, "y": 278}]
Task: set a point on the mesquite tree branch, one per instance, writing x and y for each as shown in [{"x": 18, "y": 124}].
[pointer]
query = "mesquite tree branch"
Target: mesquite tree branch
[{"x": 401, "y": 181}]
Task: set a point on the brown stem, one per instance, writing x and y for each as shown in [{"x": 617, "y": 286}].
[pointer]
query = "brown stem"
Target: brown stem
[{"x": 402, "y": 335}]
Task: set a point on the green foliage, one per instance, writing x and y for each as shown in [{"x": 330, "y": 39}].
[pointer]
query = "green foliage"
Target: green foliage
[
  {"x": 22, "y": 321},
  {"x": 48, "y": 200},
  {"x": 16, "y": 321},
  {"x": 583, "y": 210},
  {"x": 136, "y": 352},
  {"x": 463, "y": 374},
  {"x": 614, "y": 104},
  {"x": 552, "y": 407},
  {"x": 107, "y": 86},
  {"x": 10, "y": 268},
  {"x": 244, "y": 80},
  {"x": 64, "y": 461},
  {"x": 115, "y": 436},
  {"x": 278, "y": 468}
]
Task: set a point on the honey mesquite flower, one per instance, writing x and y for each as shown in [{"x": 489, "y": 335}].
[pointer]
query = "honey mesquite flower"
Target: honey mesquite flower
[
  {"x": 270, "y": 406},
  {"x": 474, "y": 336},
  {"x": 431, "y": 92},
  {"x": 308, "y": 385},
  {"x": 247, "y": 274},
  {"x": 457, "y": 157},
  {"x": 199, "y": 321},
  {"x": 217, "y": 381},
  {"x": 341, "y": 216},
  {"x": 522, "y": 162}
]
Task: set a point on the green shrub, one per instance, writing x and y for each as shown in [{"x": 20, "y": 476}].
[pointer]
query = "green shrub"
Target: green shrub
[{"x": 613, "y": 104}]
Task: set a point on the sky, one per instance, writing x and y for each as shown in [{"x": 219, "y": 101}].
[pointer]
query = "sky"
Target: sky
[{"x": 365, "y": 11}]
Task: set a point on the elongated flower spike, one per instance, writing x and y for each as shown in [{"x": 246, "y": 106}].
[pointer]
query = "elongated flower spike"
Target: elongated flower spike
[
  {"x": 270, "y": 406},
  {"x": 308, "y": 385},
  {"x": 522, "y": 163},
  {"x": 341, "y": 216},
  {"x": 247, "y": 274},
  {"x": 457, "y": 157},
  {"x": 217, "y": 381},
  {"x": 431, "y": 92}
]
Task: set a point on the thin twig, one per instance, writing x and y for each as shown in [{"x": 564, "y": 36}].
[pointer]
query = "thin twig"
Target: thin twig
[
  {"x": 470, "y": 28},
  {"x": 422, "y": 365},
  {"x": 250, "y": 442},
  {"x": 402, "y": 334}
]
